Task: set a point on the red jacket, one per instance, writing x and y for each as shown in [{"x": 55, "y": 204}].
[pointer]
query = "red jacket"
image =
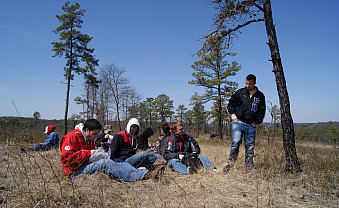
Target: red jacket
[
  {"x": 75, "y": 151},
  {"x": 123, "y": 146}
]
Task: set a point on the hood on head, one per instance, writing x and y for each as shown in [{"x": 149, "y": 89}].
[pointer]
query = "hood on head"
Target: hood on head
[
  {"x": 79, "y": 126},
  {"x": 147, "y": 132},
  {"x": 49, "y": 129},
  {"x": 131, "y": 122}
]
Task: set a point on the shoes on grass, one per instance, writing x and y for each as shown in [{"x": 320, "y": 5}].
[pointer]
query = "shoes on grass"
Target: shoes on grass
[{"x": 155, "y": 173}]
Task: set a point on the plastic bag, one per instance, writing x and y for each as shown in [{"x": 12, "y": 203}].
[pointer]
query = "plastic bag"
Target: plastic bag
[{"x": 98, "y": 155}]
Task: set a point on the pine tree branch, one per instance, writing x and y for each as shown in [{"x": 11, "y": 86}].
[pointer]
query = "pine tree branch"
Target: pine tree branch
[{"x": 225, "y": 33}]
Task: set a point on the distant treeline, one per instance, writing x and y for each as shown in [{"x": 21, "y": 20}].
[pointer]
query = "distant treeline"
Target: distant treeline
[
  {"x": 322, "y": 132},
  {"x": 29, "y": 130}
]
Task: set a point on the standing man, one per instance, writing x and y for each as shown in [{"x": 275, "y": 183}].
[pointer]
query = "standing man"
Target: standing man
[
  {"x": 77, "y": 147},
  {"x": 247, "y": 108}
]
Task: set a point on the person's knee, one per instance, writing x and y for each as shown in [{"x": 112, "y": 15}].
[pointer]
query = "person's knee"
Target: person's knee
[{"x": 171, "y": 162}]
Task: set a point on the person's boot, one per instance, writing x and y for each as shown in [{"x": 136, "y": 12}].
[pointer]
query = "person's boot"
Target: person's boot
[
  {"x": 224, "y": 169},
  {"x": 153, "y": 174},
  {"x": 227, "y": 168}
]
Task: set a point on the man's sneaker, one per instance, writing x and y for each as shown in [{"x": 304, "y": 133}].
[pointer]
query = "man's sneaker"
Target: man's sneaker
[
  {"x": 153, "y": 174},
  {"x": 224, "y": 169}
]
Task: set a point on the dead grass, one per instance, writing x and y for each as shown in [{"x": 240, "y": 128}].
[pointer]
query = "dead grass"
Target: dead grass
[{"x": 36, "y": 180}]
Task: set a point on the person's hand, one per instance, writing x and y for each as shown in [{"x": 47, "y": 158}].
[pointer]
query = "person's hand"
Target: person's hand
[
  {"x": 93, "y": 151},
  {"x": 234, "y": 118},
  {"x": 181, "y": 156}
]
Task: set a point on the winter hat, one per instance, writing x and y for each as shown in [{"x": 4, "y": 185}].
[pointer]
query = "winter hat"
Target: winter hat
[{"x": 49, "y": 129}]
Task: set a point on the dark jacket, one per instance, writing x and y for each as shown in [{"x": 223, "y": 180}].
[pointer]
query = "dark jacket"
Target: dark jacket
[
  {"x": 143, "y": 138},
  {"x": 176, "y": 145},
  {"x": 163, "y": 139},
  {"x": 123, "y": 145},
  {"x": 103, "y": 142},
  {"x": 247, "y": 109}
]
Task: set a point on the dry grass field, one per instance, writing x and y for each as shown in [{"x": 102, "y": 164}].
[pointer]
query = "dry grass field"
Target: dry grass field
[{"x": 36, "y": 180}]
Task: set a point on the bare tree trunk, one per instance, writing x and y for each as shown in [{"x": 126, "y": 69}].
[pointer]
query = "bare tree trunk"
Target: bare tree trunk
[
  {"x": 292, "y": 162},
  {"x": 219, "y": 117},
  {"x": 67, "y": 102},
  {"x": 87, "y": 102}
]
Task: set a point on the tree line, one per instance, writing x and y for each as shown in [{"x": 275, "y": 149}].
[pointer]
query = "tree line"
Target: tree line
[
  {"x": 111, "y": 99},
  {"x": 211, "y": 71}
]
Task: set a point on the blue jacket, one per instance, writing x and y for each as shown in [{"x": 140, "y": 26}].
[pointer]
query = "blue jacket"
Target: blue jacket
[{"x": 52, "y": 140}]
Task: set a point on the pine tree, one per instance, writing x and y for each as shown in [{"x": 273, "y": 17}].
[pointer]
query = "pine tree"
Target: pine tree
[
  {"x": 199, "y": 115},
  {"x": 147, "y": 111},
  {"x": 73, "y": 46},
  {"x": 163, "y": 106},
  {"x": 181, "y": 110},
  {"x": 212, "y": 72}
]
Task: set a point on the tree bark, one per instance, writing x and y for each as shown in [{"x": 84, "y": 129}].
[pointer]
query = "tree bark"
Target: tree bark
[
  {"x": 219, "y": 115},
  {"x": 67, "y": 102},
  {"x": 292, "y": 162}
]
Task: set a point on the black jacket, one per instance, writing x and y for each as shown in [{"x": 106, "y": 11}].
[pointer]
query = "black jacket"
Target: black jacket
[
  {"x": 123, "y": 145},
  {"x": 143, "y": 138},
  {"x": 247, "y": 109},
  {"x": 163, "y": 140},
  {"x": 173, "y": 149}
]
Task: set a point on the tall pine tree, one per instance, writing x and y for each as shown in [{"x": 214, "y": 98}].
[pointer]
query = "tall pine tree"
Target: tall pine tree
[
  {"x": 73, "y": 46},
  {"x": 212, "y": 72}
]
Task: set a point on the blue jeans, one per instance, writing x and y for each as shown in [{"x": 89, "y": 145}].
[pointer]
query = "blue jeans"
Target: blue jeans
[
  {"x": 181, "y": 168},
  {"x": 38, "y": 147},
  {"x": 142, "y": 159},
  {"x": 240, "y": 129},
  {"x": 151, "y": 150},
  {"x": 117, "y": 170}
]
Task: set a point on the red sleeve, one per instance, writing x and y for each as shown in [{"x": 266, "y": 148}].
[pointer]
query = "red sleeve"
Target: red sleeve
[{"x": 73, "y": 152}]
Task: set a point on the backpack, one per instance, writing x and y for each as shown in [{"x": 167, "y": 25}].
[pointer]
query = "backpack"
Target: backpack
[{"x": 192, "y": 161}]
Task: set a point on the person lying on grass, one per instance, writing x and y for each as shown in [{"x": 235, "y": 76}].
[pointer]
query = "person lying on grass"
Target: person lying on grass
[{"x": 51, "y": 141}]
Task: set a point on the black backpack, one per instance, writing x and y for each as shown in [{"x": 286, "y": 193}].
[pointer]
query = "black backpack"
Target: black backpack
[{"x": 191, "y": 160}]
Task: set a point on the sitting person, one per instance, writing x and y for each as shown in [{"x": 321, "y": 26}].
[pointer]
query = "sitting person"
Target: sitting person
[
  {"x": 143, "y": 138},
  {"x": 182, "y": 152},
  {"x": 160, "y": 145},
  {"x": 51, "y": 141},
  {"x": 77, "y": 147},
  {"x": 105, "y": 138},
  {"x": 125, "y": 144}
]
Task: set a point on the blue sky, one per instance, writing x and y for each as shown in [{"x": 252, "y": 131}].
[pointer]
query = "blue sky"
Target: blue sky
[{"x": 154, "y": 42}]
